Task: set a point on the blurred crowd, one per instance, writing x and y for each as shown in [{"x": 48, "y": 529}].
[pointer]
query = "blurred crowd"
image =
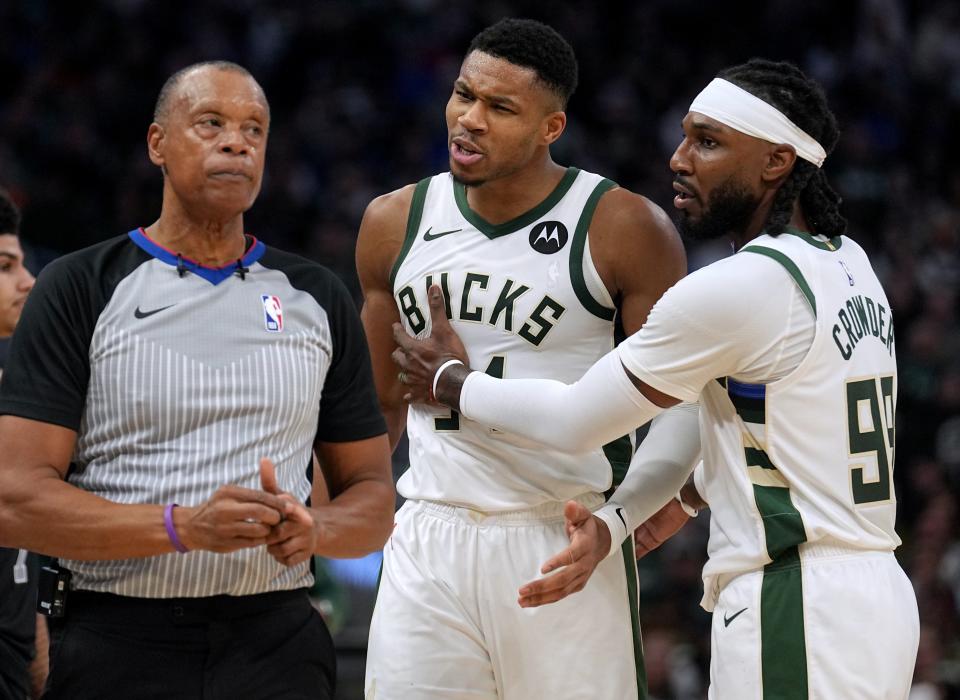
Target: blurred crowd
[{"x": 357, "y": 90}]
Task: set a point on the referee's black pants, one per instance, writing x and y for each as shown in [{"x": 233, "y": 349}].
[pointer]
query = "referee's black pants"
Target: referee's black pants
[{"x": 271, "y": 645}]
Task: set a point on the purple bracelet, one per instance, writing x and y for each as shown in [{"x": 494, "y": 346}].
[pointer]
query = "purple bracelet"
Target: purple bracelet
[{"x": 171, "y": 530}]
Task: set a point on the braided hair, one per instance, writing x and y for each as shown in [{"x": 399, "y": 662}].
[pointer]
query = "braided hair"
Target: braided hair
[{"x": 801, "y": 99}]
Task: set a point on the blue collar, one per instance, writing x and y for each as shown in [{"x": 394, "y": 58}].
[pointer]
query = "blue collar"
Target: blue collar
[{"x": 213, "y": 275}]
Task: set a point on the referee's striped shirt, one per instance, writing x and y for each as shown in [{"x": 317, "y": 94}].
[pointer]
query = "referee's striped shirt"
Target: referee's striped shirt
[{"x": 178, "y": 378}]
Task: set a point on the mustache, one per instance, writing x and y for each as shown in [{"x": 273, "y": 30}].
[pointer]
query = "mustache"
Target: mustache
[{"x": 680, "y": 180}]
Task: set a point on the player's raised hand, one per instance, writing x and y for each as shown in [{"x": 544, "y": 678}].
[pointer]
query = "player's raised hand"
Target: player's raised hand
[
  {"x": 420, "y": 358},
  {"x": 589, "y": 544},
  {"x": 659, "y": 528}
]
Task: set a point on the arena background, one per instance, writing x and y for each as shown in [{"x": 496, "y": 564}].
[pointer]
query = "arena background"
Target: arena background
[{"x": 357, "y": 90}]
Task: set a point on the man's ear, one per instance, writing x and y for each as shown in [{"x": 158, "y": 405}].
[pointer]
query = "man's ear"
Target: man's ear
[
  {"x": 779, "y": 163},
  {"x": 553, "y": 125},
  {"x": 155, "y": 136}
]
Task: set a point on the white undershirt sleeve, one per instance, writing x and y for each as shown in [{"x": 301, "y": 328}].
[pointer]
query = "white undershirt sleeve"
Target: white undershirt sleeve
[
  {"x": 659, "y": 468},
  {"x": 741, "y": 317},
  {"x": 602, "y": 406}
]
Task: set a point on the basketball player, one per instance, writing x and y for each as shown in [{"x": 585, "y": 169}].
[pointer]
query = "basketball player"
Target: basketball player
[
  {"x": 536, "y": 260},
  {"x": 789, "y": 346}
]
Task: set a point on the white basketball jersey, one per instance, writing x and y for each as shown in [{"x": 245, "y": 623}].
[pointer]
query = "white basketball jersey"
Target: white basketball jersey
[
  {"x": 808, "y": 458},
  {"x": 527, "y": 301}
]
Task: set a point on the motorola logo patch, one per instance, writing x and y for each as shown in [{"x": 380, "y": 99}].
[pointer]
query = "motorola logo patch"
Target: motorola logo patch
[{"x": 548, "y": 237}]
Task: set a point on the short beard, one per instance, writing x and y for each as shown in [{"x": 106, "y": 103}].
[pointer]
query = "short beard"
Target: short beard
[
  {"x": 467, "y": 183},
  {"x": 727, "y": 212}
]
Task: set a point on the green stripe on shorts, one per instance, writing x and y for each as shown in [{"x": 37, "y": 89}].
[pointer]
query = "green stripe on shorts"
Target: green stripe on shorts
[
  {"x": 783, "y": 650},
  {"x": 633, "y": 587}
]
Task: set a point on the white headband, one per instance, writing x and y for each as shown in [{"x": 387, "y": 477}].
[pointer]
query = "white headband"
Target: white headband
[{"x": 748, "y": 114}]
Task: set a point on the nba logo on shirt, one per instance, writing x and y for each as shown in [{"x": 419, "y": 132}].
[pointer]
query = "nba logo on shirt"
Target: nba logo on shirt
[{"x": 272, "y": 313}]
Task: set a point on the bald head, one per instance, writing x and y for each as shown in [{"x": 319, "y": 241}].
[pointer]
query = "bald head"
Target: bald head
[{"x": 171, "y": 88}]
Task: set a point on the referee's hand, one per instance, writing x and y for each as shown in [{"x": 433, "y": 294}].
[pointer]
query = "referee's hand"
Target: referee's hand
[
  {"x": 589, "y": 545},
  {"x": 233, "y": 518},
  {"x": 294, "y": 539}
]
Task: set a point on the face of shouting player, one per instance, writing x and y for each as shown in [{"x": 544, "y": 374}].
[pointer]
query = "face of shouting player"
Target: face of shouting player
[{"x": 499, "y": 118}]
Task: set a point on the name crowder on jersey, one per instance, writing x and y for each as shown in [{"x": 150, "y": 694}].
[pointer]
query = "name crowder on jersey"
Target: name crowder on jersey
[
  {"x": 534, "y": 329},
  {"x": 860, "y": 317}
]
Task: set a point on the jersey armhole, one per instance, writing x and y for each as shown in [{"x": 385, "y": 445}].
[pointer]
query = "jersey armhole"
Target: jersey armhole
[
  {"x": 590, "y": 303},
  {"x": 413, "y": 225},
  {"x": 792, "y": 270}
]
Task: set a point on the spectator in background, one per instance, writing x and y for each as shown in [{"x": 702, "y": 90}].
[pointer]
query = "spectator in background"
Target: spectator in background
[{"x": 23, "y": 638}]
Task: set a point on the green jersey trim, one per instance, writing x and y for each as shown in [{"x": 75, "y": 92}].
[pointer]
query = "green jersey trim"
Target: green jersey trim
[
  {"x": 413, "y": 225},
  {"x": 619, "y": 453},
  {"x": 496, "y": 230},
  {"x": 782, "y": 524},
  {"x": 791, "y": 268},
  {"x": 831, "y": 244},
  {"x": 578, "y": 246}
]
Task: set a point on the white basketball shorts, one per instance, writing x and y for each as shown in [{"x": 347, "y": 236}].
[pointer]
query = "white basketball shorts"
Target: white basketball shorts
[
  {"x": 447, "y": 623},
  {"x": 828, "y": 623}
]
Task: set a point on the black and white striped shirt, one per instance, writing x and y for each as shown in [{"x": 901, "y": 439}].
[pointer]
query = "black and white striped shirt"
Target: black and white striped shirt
[{"x": 178, "y": 378}]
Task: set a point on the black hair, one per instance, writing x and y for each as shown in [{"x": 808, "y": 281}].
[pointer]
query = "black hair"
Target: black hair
[
  {"x": 162, "y": 107},
  {"x": 532, "y": 44},
  {"x": 9, "y": 215},
  {"x": 802, "y": 100}
]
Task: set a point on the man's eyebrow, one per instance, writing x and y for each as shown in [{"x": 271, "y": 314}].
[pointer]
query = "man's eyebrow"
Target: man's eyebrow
[
  {"x": 211, "y": 108},
  {"x": 12, "y": 256},
  {"x": 503, "y": 100},
  {"x": 498, "y": 99}
]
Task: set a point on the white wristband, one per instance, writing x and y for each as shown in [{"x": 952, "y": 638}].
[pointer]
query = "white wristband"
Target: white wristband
[
  {"x": 688, "y": 509},
  {"x": 616, "y": 523},
  {"x": 436, "y": 377}
]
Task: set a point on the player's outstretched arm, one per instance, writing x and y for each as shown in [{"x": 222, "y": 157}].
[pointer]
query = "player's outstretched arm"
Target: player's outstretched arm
[
  {"x": 603, "y": 405},
  {"x": 657, "y": 471},
  {"x": 589, "y": 544}
]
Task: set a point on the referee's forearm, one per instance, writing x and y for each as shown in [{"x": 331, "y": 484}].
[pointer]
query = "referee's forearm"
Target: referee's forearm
[
  {"x": 49, "y": 516},
  {"x": 357, "y": 522}
]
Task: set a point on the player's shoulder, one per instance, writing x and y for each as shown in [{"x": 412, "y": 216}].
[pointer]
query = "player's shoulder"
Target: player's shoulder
[
  {"x": 623, "y": 214},
  {"x": 733, "y": 281},
  {"x": 628, "y": 232},
  {"x": 390, "y": 208},
  {"x": 382, "y": 233}
]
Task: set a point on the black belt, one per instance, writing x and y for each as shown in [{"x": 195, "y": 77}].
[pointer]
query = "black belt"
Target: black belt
[{"x": 107, "y": 607}]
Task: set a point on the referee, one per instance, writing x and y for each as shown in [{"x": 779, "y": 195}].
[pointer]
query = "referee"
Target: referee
[{"x": 161, "y": 404}]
